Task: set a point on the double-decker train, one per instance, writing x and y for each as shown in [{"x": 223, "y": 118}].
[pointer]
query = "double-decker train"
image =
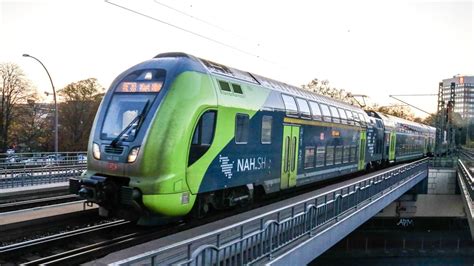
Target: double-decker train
[{"x": 178, "y": 134}]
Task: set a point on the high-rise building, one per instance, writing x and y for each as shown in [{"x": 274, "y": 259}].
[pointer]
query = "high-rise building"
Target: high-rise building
[{"x": 464, "y": 94}]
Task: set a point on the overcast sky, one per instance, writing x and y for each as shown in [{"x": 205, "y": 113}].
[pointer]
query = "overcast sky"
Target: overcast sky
[{"x": 375, "y": 48}]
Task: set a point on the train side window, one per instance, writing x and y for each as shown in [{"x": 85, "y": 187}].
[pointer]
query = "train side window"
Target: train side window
[
  {"x": 224, "y": 86},
  {"x": 309, "y": 157},
  {"x": 329, "y": 155},
  {"x": 326, "y": 113},
  {"x": 362, "y": 119},
  {"x": 241, "y": 128},
  {"x": 203, "y": 136},
  {"x": 290, "y": 105},
  {"x": 338, "y": 156},
  {"x": 237, "y": 88},
  {"x": 315, "y": 110},
  {"x": 342, "y": 113},
  {"x": 350, "y": 119},
  {"x": 304, "y": 108},
  {"x": 266, "y": 129},
  {"x": 347, "y": 154},
  {"x": 335, "y": 114},
  {"x": 356, "y": 118},
  {"x": 320, "y": 156}
]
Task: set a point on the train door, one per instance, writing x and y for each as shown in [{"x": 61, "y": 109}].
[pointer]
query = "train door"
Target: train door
[
  {"x": 393, "y": 142},
  {"x": 289, "y": 156},
  {"x": 363, "y": 143}
]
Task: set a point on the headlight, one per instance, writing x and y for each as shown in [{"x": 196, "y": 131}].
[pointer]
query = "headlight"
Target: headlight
[
  {"x": 132, "y": 155},
  {"x": 96, "y": 151}
]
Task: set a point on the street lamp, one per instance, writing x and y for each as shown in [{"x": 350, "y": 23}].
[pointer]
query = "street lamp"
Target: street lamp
[{"x": 55, "y": 104}]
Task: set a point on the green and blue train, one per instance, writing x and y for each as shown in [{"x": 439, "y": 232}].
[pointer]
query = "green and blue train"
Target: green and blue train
[{"x": 177, "y": 134}]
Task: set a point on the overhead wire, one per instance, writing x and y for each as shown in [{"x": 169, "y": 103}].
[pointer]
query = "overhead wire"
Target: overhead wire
[{"x": 186, "y": 30}]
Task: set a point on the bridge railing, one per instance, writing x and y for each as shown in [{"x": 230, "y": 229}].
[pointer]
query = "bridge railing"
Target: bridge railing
[
  {"x": 23, "y": 177},
  {"x": 41, "y": 159},
  {"x": 467, "y": 177},
  {"x": 261, "y": 236}
]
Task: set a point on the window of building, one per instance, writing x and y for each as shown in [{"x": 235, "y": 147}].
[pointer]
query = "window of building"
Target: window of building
[
  {"x": 202, "y": 136},
  {"x": 241, "y": 128},
  {"x": 267, "y": 129}
]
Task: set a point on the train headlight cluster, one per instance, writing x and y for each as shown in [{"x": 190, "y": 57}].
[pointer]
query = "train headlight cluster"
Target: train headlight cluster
[
  {"x": 132, "y": 155},
  {"x": 96, "y": 151}
]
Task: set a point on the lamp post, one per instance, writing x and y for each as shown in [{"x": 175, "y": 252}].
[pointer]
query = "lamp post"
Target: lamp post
[{"x": 55, "y": 104}]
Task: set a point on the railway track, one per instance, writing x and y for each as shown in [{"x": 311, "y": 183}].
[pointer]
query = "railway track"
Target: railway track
[{"x": 35, "y": 203}]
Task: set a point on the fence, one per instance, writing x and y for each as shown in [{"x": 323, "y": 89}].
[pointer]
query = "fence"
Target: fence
[
  {"x": 261, "y": 236},
  {"x": 466, "y": 175}
]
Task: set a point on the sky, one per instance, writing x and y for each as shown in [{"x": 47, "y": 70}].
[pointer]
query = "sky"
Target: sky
[{"x": 375, "y": 48}]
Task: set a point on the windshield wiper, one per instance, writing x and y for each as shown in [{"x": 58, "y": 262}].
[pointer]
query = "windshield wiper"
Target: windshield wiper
[{"x": 138, "y": 119}]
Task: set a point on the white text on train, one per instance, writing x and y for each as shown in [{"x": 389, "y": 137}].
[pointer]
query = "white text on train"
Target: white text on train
[{"x": 250, "y": 164}]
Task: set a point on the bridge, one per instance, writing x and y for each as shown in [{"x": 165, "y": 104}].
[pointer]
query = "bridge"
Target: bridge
[{"x": 292, "y": 231}]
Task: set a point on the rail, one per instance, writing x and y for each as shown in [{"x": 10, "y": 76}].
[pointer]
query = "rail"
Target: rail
[
  {"x": 41, "y": 159},
  {"x": 251, "y": 240},
  {"x": 23, "y": 177},
  {"x": 467, "y": 178}
]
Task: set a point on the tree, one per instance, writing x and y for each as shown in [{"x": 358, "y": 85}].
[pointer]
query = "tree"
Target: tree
[
  {"x": 77, "y": 112},
  {"x": 31, "y": 129},
  {"x": 14, "y": 89},
  {"x": 323, "y": 88},
  {"x": 401, "y": 111}
]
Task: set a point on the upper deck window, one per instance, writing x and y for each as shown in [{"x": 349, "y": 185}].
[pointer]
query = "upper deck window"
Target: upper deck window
[
  {"x": 343, "y": 115},
  {"x": 315, "y": 110},
  {"x": 326, "y": 112},
  {"x": 304, "y": 108},
  {"x": 290, "y": 105},
  {"x": 335, "y": 114}
]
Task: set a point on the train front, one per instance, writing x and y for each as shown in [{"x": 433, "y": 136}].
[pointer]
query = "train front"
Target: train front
[{"x": 135, "y": 167}]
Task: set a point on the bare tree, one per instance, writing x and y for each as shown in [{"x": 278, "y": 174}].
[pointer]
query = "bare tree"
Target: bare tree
[{"x": 14, "y": 89}]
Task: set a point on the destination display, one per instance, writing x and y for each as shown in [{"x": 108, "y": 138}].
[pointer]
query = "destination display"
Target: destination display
[{"x": 139, "y": 87}]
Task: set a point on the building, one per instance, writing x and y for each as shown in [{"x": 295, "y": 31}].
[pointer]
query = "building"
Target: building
[{"x": 464, "y": 94}]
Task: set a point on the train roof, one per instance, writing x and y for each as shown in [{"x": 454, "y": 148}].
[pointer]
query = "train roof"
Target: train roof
[
  {"x": 401, "y": 124},
  {"x": 281, "y": 87}
]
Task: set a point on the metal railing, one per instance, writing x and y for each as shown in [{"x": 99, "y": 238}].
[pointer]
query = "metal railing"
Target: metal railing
[
  {"x": 261, "y": 236},
  {"x": 43, "y": 159},
  {"x": 467, "y": 177},
  {"x": 23, "y": 177}
]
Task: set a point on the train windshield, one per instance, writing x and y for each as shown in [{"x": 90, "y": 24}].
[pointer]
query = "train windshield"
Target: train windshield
[{"x": 130, "y": 103}]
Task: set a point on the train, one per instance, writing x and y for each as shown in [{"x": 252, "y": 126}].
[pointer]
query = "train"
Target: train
[{"x": 178, "y": 135}]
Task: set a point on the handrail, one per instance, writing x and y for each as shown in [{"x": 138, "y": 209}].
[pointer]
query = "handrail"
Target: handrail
[{"x": 260, "y": 236}]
